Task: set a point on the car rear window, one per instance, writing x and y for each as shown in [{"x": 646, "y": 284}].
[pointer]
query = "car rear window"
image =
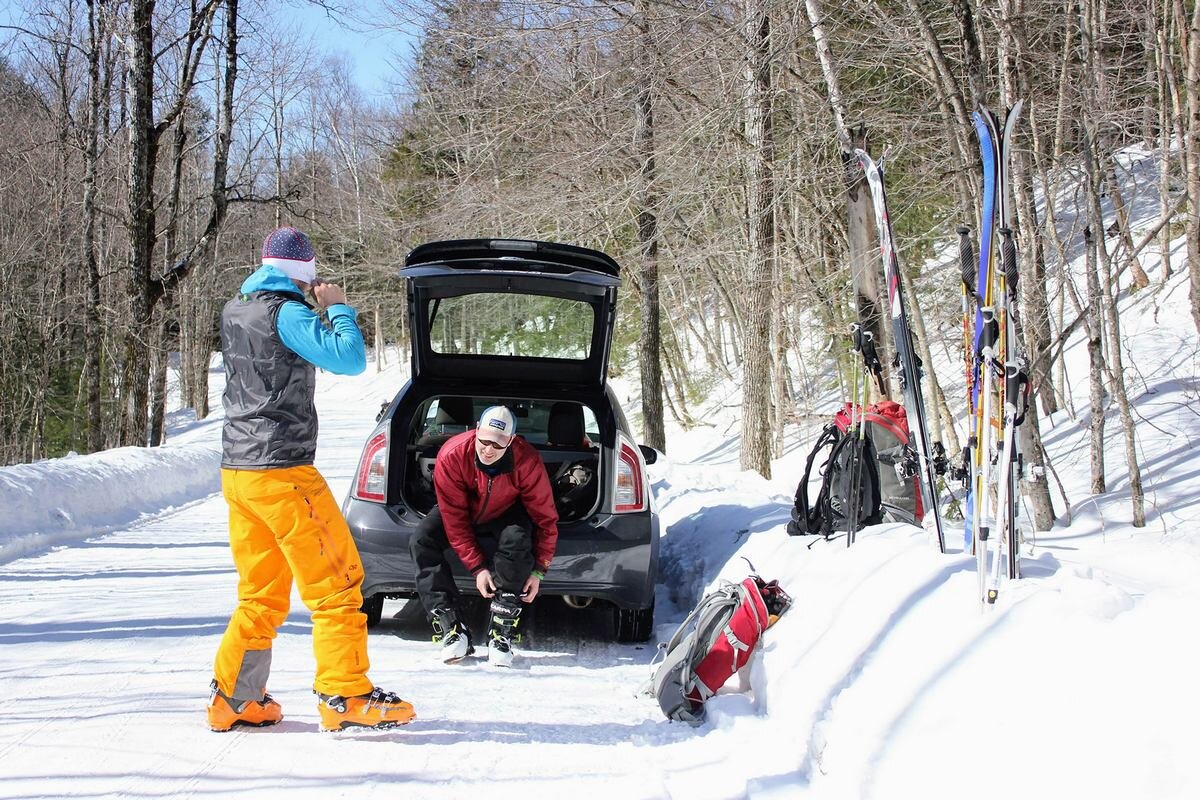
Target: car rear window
[{"x": 501, "y": 324}]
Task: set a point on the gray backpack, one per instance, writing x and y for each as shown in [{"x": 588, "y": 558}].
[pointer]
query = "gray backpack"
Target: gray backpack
[{"x": 715, "y": 641}]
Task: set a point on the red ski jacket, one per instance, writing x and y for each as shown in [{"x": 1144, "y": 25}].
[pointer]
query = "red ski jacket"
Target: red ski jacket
[{"x": 467, "y": 496}]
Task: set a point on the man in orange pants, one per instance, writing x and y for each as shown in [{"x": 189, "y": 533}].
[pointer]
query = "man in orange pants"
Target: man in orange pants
[{"x": 283, "y": 521}]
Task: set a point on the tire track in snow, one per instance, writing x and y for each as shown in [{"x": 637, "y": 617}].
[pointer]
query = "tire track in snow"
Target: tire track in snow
[{"x": 859, "y": 653}]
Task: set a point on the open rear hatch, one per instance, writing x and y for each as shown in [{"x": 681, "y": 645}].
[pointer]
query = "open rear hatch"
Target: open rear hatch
[{"x": 511, "y": 311}]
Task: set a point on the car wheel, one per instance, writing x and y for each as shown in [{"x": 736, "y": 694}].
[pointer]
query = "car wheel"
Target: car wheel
[
  {"x": 373, "y": 607},
  {"x": 633, "y": 625}
]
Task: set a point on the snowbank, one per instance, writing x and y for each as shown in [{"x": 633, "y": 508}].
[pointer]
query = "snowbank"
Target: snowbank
[{"x": 70, "y": 499}]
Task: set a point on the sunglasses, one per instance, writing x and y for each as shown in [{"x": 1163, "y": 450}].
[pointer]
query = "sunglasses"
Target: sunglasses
[{"x": 490, "y": 445}]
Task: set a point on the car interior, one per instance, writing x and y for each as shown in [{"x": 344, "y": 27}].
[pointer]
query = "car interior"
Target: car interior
[{"x": 565, "y": 433}]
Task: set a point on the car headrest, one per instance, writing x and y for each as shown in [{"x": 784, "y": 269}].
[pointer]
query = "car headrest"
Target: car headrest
[
  {"x": 565, "y": 426},
  {"x": 454, "y": 411}
]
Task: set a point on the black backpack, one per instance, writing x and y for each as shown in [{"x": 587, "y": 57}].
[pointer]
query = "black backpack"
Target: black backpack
[{"x": 849, "y": 455}]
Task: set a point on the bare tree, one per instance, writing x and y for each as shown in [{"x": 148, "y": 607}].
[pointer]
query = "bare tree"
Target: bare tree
[
  {"x": 1192, "y": 149},
  {"x": 145, "y": 289},
  {"x": 760, "y": 197},
  {"x": 1091, "y": 14},
  {"x": 650, "y": 342}
]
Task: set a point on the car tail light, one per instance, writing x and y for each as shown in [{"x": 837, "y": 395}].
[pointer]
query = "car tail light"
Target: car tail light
[
  {"x": 629, "y": 493},
  {"x": 371, "y": 483}
]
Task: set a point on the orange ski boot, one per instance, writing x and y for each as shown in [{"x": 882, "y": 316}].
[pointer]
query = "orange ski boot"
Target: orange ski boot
[
  {"x": 224, "y": 713},
  {"x": 378, "y": 709}
]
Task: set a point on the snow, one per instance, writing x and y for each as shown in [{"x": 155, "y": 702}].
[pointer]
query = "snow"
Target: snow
[{"x": 886, "y": 679}]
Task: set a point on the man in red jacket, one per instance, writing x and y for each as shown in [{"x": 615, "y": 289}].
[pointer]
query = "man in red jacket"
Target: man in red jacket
[{"x": 496, "y": 509}]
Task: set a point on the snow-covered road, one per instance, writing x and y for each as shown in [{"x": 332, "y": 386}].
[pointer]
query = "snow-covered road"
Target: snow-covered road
[
  {"x": 108, "y": 649},
  {"x": 108, "y": 646}
]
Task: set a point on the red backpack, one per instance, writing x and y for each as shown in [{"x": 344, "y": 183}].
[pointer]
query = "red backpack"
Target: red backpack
[
  {"x": 888, "y": 481},
  {"x": 899, "y": 479},
  {"x": 714, "y": 642}
]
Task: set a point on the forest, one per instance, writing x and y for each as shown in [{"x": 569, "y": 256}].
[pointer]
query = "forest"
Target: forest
[{"x": 147, "y": 147}]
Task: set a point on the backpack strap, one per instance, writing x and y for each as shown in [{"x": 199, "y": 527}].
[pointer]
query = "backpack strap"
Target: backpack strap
[
  {"x": 823, "y": 511},
  {"x": 734, "y": 642},
  {"x": 727, "y": 596},
  {"x": 737, "y": 595},
  {"x": 806, "y": 518}
]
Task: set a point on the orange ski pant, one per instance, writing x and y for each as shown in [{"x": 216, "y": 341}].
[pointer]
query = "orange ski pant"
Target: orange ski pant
[{"x": 285, "y": 524}]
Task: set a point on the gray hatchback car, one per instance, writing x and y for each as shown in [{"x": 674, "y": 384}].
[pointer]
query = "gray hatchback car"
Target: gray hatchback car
[{"x": 528, "y": 325}]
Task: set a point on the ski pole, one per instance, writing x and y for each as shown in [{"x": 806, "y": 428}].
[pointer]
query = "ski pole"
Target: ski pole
[
  {"x": 986, "y": 441},
  {"x": 852, "y": 516}
]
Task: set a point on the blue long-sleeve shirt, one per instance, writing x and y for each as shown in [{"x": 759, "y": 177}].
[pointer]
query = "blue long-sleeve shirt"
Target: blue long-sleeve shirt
[{"x": 337, "y": 347}]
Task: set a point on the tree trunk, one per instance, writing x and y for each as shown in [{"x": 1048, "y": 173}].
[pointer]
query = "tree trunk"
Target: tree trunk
[
  {"x": 1192, "y": 149},
  {"x": 917, "y": 320},
  {"x": 972, "y": 52},
  {"x": 677, "y": 369},
  {"x": 159, "y": 361},
  {"x": 1140, "y": 279},
  {"x": 143, "y": 150},
  {"x": 863, "y": 255},
  {"x": 646, "y": 202},
  {"x": 1095, "y": 351},
  {"x": 143, "y": 289},
  {"x": 93, "y": 336},
  {"x": 782, "y": 402},
  {"x": 1033, "y": 324},
  {"x": 1036, "y": 308},
  {"x": 760, "y": 202},
  {"x": 380, "y": 358},
  {"x": 1165, "y": 67},
  {"x": 1105, "y": 297},
  {"x": 1036, "y": 487},
  {"x": 1115, "y": 369}
]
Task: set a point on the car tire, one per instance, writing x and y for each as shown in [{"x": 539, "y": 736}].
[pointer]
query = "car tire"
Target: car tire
[
  {"x": 373, "y": 607},
  {"x": 633, "y": 625}
]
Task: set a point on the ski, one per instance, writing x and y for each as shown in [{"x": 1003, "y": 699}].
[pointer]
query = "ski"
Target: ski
[
  {"x": 999, "y": 382},
  {"x": 1016, "y": 368},
  {"x": 910, "y": 375},
  {"x": 1017, "y": 384},
  {"x": 978, "y": 529}
]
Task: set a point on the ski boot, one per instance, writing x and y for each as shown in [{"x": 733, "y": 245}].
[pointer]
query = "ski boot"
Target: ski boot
[
  {"x": 224, "y": 712},
  {"x": 452, "y": 634},
  {"x": 376, "y": 709},
  {"x": 502, "y": 631}
]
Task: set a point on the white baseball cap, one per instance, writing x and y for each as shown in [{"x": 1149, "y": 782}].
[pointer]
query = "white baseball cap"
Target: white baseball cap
[{"x": 498, "y": 422}]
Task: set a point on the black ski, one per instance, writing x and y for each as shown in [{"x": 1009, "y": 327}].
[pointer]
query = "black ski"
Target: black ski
[{"x": 910, "y": 374}]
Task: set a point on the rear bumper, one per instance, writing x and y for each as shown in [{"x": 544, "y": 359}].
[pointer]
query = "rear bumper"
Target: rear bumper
[{"x": 608, "y": 557}]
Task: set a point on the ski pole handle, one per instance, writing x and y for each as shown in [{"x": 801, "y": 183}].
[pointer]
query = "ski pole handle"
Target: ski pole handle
[
  {"x": 966, "y": 260},
  {"x": 1008, "y": 254},
  {"x": 1016, "y": 389}
]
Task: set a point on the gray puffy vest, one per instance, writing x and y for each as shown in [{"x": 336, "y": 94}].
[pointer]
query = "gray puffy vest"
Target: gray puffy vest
[{"x": 270, "y": 418}]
